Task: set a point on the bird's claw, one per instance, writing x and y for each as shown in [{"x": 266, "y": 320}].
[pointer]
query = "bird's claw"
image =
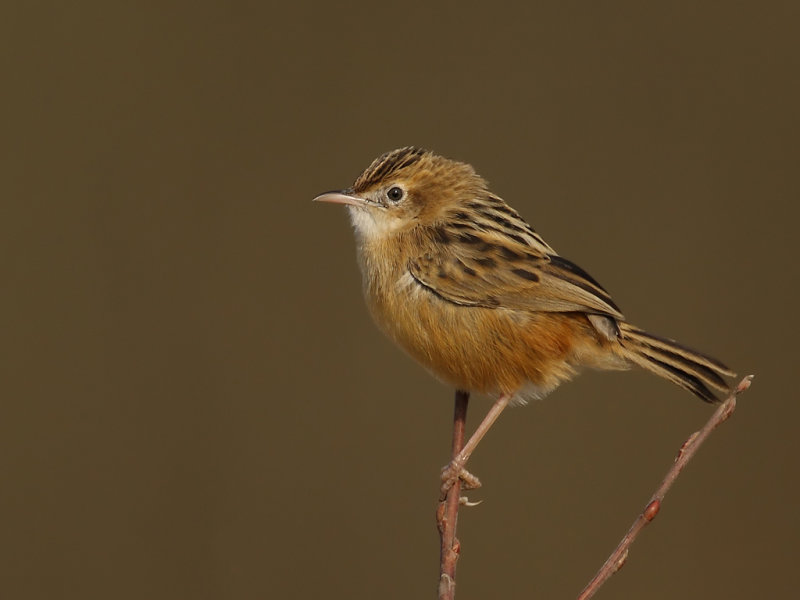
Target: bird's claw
[
  {"x": 464, "y": 501},
  {"x": 455, "y": 471}
]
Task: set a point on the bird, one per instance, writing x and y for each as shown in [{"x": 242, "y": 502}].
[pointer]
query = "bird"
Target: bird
[{"x": 454, "y": 276}]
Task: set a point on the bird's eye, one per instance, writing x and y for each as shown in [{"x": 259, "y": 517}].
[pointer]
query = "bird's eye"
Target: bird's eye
[{"x": 395, "y": 194}]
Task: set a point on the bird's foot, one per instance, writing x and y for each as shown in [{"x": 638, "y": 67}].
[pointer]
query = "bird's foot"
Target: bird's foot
[{"x": 455, "y": 471}]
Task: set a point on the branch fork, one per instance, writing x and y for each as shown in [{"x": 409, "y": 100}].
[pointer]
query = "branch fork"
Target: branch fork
[{"x": 447, "y": 510}]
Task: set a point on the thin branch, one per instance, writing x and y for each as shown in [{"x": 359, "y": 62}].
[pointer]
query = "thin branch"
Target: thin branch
[
  {"x": 447, "y": 511},
  {"x": 685, "y": 454}
]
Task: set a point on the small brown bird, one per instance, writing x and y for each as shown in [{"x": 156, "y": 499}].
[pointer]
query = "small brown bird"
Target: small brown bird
[{"x": 455, "y": 276}]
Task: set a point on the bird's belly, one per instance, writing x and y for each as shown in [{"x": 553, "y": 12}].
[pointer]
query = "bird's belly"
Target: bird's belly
[{"x": 488, "y": 350}]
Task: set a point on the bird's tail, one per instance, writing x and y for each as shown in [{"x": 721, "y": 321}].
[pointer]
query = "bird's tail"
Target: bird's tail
[{"x": 698, "y": 373}]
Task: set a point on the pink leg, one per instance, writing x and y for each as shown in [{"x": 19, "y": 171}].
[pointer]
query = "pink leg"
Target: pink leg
[{"x": 455, "y": 469}]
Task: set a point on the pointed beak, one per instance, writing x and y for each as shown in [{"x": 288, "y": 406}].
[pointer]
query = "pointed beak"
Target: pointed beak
[{"x": 340, "y": 197}]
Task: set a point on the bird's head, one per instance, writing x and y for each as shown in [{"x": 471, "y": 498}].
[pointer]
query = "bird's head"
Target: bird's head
[{"x": 407, "y": 188}]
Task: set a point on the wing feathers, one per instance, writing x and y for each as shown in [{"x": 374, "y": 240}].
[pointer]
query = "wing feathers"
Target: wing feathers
[{"x": 495, "y": 259}]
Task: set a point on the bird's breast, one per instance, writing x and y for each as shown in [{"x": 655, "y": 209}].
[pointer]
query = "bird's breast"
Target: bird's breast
[{"x": 488, "y": 350}]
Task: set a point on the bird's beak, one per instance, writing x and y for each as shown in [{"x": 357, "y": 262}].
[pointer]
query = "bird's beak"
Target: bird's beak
[{"x": 340, "y": 197}]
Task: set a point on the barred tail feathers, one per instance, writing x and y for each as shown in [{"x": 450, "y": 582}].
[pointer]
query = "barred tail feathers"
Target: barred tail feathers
[{"x": 693, "y": 371}]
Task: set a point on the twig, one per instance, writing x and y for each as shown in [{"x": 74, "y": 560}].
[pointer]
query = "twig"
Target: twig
[
  {"x": 447, "y": 511},
  {"x": 618, "y": 557}
]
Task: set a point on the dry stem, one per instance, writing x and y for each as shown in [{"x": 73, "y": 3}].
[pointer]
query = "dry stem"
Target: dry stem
[
  {"x": 447, "y": 511},
  {"x": 685, "y": 454}
]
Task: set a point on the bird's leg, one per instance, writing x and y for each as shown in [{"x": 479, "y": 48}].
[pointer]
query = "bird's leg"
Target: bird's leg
[{"x": 455, "y": 470}]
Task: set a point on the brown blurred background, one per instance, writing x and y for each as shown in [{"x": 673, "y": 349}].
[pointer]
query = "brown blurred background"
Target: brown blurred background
[{"x": 196, "y": 404}]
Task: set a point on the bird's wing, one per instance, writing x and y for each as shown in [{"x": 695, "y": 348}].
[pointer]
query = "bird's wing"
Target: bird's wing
[{"x": 484, "y": 268}]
